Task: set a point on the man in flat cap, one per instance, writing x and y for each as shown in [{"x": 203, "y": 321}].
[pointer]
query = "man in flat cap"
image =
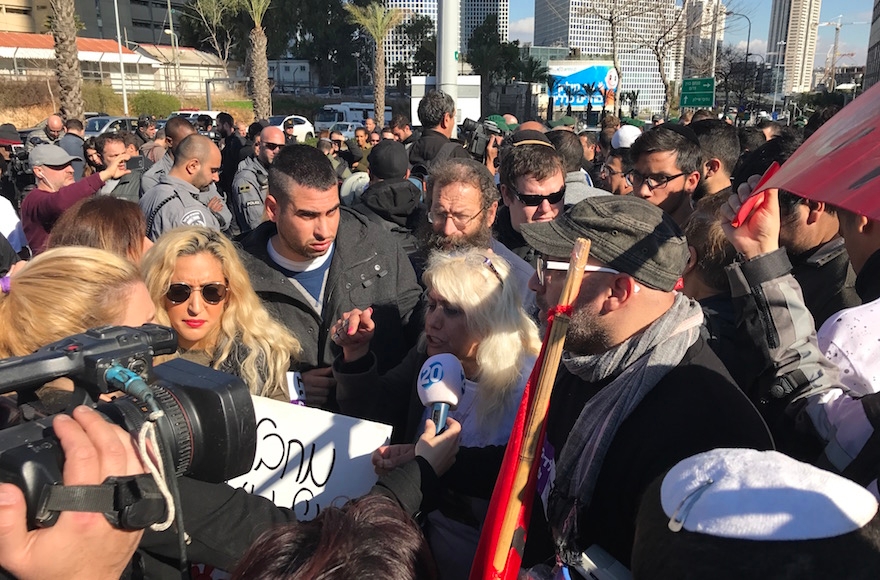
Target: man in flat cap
[
  {"x": 638, "y": 388},
  {"x": 56, "y": 190}
]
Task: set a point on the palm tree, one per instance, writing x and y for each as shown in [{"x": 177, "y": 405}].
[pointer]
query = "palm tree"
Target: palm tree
[
  {"x": 571, "y": 93},
  {"x": 590, "y": 89},
  {"x": 258, "y": 65},
  {"x": 401, "y": 69},
  {"x": 377, "y": 21},
  {"x": 552, "y": 84},
  {"x": 532, "y": 71},
  {"x": 67, "y": 68}
]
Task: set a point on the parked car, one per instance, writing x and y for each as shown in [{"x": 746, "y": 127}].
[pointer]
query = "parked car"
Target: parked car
[
  {"x": 100, "y": 125},
  {"x": 302, "y": 129},
  {"x": 347, "y": 129}
]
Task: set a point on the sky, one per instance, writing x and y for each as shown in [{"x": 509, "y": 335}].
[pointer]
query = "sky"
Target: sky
[{"x": 853, "y": 38}]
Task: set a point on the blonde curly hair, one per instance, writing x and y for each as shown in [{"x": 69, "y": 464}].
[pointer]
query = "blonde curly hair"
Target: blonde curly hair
[{"x": 245, "y": 320}]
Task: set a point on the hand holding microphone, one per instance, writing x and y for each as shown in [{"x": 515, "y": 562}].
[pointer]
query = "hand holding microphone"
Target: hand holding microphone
[{"x": 440, "y": 385}]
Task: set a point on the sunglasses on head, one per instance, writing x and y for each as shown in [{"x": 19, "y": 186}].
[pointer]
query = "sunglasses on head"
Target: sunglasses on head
[
  {"x": 213, "y": 293},
  {"x": 272, "y": 146},
  {"x": 533, "y": 200}
]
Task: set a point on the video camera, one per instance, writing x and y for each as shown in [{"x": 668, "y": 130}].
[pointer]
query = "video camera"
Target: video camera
[
  {"x": 478, "y": 135},
  {"x": 208, "y": 427},
  {"x": 18, "y": 179}
]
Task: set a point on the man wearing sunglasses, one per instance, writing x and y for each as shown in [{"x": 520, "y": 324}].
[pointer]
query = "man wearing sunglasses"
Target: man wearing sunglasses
[
  {"x": 532, "y": 188},
  {"x": 638, "y": 389},
  {"x": 251, "y": 183},
  {"x": 667, "y": 164}
]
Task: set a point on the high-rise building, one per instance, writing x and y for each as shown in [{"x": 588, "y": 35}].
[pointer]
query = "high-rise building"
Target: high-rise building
[
  {"x": 140, "y": 21},
  {"x": 398, "y": 48},
  {"x": 704, "y": 20},
  {"x": 568, "y": 23},
  {"x": 872, "y": 68},
  {"x": 791, "y": 42}
]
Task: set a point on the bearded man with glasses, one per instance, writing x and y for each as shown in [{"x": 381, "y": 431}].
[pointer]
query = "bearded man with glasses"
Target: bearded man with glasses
[
  {"x": 667, "y": 167},
  {"x": 532, "y": 187},
  {"x": 251, "y": 181},
  {"x": 464, "y": 204}
]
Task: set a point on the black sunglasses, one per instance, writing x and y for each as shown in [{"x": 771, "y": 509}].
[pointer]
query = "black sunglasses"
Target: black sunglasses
[
  {"x": 272, "y": 146},
  {"x": 213, "y": 293},
  {"x": 532, "y": 200}
]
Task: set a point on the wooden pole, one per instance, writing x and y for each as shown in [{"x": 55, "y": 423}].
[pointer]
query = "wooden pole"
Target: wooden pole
[{"x": 538, "y": 413}]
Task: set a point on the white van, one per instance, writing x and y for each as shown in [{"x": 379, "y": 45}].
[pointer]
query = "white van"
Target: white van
[{"x": 346, "y": 113}]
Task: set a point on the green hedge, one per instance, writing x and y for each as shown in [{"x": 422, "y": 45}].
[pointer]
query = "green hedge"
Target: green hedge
[{"x": 154, "y": 103}]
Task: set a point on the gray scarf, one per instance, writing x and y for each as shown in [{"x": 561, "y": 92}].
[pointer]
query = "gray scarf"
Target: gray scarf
[{"x": 636, "y": 366}]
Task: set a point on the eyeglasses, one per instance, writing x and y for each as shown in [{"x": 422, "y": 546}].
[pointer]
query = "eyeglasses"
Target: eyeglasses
[
  {"x": 605, "y": 170},
  {"x": 213, "y": 293},
  {"x": 338, "y": 142},
  {"x": 460, "y": 222},
  {"x": 542, "y": 265},
  {"x": 271, "y": 146},
  {"x": 374, "y": 141},
  {"x": 534, "y": 200},
  {"x": 636, "y": 179}
]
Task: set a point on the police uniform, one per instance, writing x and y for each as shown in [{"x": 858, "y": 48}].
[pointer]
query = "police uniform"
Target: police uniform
[
  {"x": 249, "y": 188},
  {"x": 174, "y": 203},
  {"x": 154, "y": 175}
]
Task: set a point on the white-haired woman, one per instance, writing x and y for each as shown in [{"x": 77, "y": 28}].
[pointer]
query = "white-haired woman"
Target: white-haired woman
[{"x": 473, "y": 311}]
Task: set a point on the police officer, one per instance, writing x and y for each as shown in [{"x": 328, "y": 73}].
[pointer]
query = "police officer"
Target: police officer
[
  {"x": 251, "y": 181},
  {"x": 289, "y": 137},
  {"x": 48, "y": 135},
  {"x": 183, "y": 196}
]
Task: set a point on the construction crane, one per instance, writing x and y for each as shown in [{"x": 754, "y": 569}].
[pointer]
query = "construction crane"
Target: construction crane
[{"x": 829, "y": 70}]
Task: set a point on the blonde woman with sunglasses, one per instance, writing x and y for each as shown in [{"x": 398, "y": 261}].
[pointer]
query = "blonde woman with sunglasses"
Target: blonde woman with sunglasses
[{"x": 202, "y": 291}]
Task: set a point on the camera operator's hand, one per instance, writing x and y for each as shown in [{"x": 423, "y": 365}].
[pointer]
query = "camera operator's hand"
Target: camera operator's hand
[
  {"x": 492, "y": 152},
  {"x": 80, "y": 544}
]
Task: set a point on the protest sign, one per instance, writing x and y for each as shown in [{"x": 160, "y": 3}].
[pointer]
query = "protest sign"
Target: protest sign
[{"x": 307, "y": 458}]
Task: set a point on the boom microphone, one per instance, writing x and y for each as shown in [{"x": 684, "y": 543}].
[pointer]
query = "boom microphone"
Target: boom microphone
[{"x": 440, "y": 385}]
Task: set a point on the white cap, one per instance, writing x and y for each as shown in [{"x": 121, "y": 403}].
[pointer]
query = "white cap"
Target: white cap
[
  {"x": 625, "y": 136},
  {"x": 762, "y": 495}
]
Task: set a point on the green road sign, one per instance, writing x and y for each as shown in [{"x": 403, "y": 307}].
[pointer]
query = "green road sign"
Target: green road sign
[{"x": 697, "y": 92}]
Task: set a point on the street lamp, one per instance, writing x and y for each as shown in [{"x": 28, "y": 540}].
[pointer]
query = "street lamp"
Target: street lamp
[
  {"x": 746, "y": 63},
  {"x": 121, "y": 62},
  {"x": 175, "y": 49}
]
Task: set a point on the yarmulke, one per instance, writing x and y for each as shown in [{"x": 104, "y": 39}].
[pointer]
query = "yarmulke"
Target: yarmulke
[
  {"x": 625, "y": 136},
  {"x": 762, "y": 495},
  {"x": 529, "y": 137},
  {"x": 499, "y": 121}
]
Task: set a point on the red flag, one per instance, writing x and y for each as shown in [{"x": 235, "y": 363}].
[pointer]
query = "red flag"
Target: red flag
[
  {"x": 840, "y": 163},
  {"x": 483, "y": 568}
]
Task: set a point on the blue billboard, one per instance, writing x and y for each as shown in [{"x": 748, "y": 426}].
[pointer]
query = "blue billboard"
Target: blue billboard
[{"x": 572, "y": 76}]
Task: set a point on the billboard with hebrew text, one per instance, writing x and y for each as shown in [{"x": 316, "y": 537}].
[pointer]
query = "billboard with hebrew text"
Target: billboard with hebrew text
[{"x": 574, "y": 78}]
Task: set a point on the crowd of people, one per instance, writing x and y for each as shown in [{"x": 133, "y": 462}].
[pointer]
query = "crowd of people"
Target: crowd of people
[{"x": 715, "y": 406}]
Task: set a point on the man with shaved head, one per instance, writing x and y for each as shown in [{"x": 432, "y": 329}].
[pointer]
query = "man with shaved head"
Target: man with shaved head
[
  {"x": 176, "y": 130},
  {"x": 251, "y": 183},
  {"x": 182, "y": 197},
  {"x": 48, "y": 135}
]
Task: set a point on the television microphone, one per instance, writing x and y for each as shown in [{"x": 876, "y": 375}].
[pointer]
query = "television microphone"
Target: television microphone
[{"x": 440, "y": 386}]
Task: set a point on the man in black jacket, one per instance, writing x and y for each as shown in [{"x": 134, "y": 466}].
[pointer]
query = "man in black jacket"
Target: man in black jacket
[
  {"x": 437, "y": 115},
  {"x": 638, "y": 389},
  {"x": 314, "y": 261}
]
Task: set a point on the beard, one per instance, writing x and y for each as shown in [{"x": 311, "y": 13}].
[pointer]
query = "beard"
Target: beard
[
  {"x": 586, "y": 333},
  {"x": 432, "y": 241}
]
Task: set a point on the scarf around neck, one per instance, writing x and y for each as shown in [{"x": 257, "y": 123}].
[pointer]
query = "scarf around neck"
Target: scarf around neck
[{"x": 634, "y": 367}]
